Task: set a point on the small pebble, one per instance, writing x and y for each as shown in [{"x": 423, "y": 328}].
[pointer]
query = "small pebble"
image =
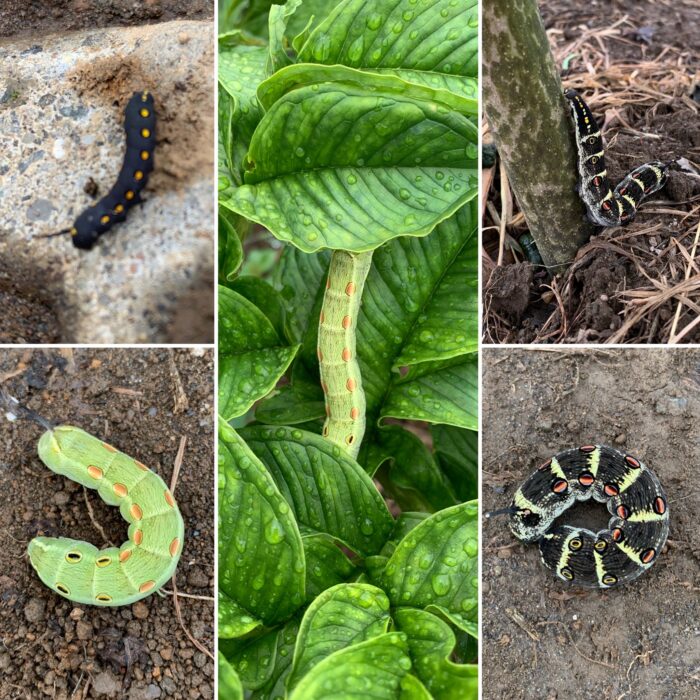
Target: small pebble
[{"x": 140, "y": 610}]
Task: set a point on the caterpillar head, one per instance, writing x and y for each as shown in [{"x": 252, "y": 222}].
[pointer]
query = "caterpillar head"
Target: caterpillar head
[
  {"x": 525, "y": 523},
  {"x": 86, "y": 229}
]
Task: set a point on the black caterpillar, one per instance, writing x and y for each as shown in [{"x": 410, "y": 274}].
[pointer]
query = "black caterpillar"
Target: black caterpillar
[
  {"x": 140, "y": 127},
  {"x": 635, "y": 534},
  {"x": 605, "y": 206}
]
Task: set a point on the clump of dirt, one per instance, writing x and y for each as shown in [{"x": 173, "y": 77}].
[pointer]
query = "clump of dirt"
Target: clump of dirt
[
  {"x": 143, "y": 402},
  {"x": 541, "y": 637},
  {"x": 25, "y": 317},
  {"x": 19, "y": 17},
  {"x": 509, "y": 289}
]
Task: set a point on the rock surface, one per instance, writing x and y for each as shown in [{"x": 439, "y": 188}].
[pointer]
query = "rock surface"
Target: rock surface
[{"x": 61, "y": 126}]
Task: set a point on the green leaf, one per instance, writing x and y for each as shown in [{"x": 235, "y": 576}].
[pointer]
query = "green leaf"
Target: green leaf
[
  {"x": 253, "y": 659},
  {"x": 261, "y": 558},
  {"x": 457, "y": 451},
  {"x": 278, "y": 19},
  {"x": 436, "y": 565},
  {"x": 230, "y": 687},
  {"x": 393, "y": 162},
  {"x": 327, "y": 490},
  {"x": 292, "y": 405},
  {"x": 446, "y": 394},
  {"x": 430, "y": 644},
  {"x": 340, "y": 617},
  {"x": 275, "y": 688},
  {"x": 233, "y": 620},
  {"x": 374, "y": 668},
  {"x": 413, "y": 689},
  {"x": 264, "y": 296},
  {"x": 326, "y": 565},
  {"x": 437, "y": 36},
  {"x": 230, "y": 249},
  {"x": 251, "y": 357}
]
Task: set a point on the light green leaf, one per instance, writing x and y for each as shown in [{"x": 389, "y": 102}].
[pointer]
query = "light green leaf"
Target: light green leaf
[
  {"x": 233, "y": 620},
  {"x": 340, "y": 617},
  {"x": 230, "y": 687},
  {"x": 327, "y": 490},
  {"x": 374, "y": 668},
  {"x": 430, "y": 643},
  {"x": 253, "y": 659},
  {"x": 230, "y": 250},
  {"x": 261, "y": 558},
  {"x": 457, "y": 451},
  {"x": 275, "y": 688},
  {"x": 413, "y": 689},
  {"x": 277, "y": 22},
  {"x": 326, "y": 565},
  {"x": 264, "y": 296},
  {"x": 292, "y": 405}
]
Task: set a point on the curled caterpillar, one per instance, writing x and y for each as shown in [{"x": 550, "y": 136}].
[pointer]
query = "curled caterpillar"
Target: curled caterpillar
[
  {"x": 605, "y": 206},
  {"x": 140, "y": 127},
  {"x": 636, "y": 532}
]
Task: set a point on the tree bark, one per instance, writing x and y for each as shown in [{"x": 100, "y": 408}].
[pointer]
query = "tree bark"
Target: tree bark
[{"x": 528, "y": 117}]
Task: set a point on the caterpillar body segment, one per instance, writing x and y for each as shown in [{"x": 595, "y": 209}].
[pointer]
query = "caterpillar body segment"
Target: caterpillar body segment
[
  {"x": 637, "y": 529},
  {"x": 605, "y": 205},
  {"x": 114, "y": 576}
]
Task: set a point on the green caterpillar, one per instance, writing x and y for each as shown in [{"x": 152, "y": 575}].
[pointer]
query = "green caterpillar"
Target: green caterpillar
[
  {"x": 118, "y": 575},
  {"x": 340, "y": 372}
]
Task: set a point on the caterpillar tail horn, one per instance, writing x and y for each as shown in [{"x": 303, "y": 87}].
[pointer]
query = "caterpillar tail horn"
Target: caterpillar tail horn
[
  {"x": 15, "y": 407},
  {"x": 62, "y": 232},
  {"x": 502, "y": 511}
]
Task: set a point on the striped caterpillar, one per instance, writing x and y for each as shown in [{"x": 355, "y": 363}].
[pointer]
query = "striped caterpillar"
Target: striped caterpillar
[
  {"x": 605, "y": 206},
  {"x": 118, "y": 575},
  {"x": 636, "y": 532},
  {"x": 340, "y": 372},
  {"x": 140, "y": 127}
]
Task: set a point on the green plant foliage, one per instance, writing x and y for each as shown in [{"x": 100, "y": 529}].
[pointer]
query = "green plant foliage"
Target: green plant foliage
[{"x": 348, "y": 126}]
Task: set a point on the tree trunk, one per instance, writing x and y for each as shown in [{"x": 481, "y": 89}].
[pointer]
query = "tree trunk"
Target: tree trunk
[{"x": 528, "y": 117}]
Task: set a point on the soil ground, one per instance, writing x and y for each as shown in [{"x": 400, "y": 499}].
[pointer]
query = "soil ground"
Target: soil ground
[
  {"x": 22, "y": 17},
  {"x": 141, "y": 401},
  {"x": 638, "y": 68},
  {"x": 542, "y": 639}
]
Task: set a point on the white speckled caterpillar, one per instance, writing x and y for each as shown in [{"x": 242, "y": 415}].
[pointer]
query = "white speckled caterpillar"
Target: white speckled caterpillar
[
  {"x": 114, "y": 576},
  {"x": 140, "y": 127},
  {"x": 605, "y": 206},
  {"x": 636, "y": 532},
  {"x": 340, "y": 372}
]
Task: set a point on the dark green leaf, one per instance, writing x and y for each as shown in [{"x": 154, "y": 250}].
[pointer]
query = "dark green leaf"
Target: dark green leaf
[
  {"x": 254, "y": 659},
  {"x": 275, "y": 688},
  {"x": 326, "y": 565},
  {"x": 293, "y": 404},
  {"x": 230, "y": 687},
  {"x": 234, "y": 621},
  {"x": 264, "y": 296},
  {"x": 457, "y": 451}
]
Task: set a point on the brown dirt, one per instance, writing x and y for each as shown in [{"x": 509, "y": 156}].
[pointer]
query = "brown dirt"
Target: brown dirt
[
  {"x": 541, "y": 638},
  {"x": 57, "y": 649},
  {"x": 627, "y": 284},
  {"x": 22, "y": 17}
]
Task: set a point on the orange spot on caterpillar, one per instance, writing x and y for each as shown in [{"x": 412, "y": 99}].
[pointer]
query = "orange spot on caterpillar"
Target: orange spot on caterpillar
[
  {"x": 129, "y": 195},
  {"x": 611, "y": 490},
  {"x": 605, "y": 206},
  {"x": 174, "y": 546},
  {"x": 144, "y": 113},
  {"x": 124, "y": 555},
  {"x": 632, "y": 462},
  {"x": 136, "y": 512},
  {"x": 586, "y": 449},
  {"x": 141, "y": 466},
  {"x": 596, "y": 181},
  {"x": 347, "y": 322},
  {"x": 351, "y": 384},
  {"x": 346, "y": 355},
  {"x": 648, "y": 555},
  {"x": 354, "y": 412},
  {"x": 146, "y": 586},
  {"x": 319, "y": 354},
  {"x": 145, "y": 155},
  {"x": 623, "y": 512},
  {"x": 169, "y": 498},
  {"x": 659, "y": 505},
  {"x": 119, "y": 209},
  {"x": 120, "y": 490},
  {"x": 545, "y": 466},
  {"x": 138, "y": 175},
  {"x": 328, "y": 410},
  {"x": 350, "y": 288},
  {"x": 109, "y": 448},
  {"x": 138, "y": 537},
  {"x": 617, "y": 535},
  {"x": 95, "y": 472},
  {"x": 585, "y": 479},
  {"x": 104, "y": 219},
  {"x": 560, "y": 486},
  {"x": 322, "y": 317}
]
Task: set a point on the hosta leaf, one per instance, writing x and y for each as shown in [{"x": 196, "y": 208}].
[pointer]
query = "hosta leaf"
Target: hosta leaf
[
  {"x": 326, "y": 565},
  {"x": 374, "y": 668},
  {"x": 234, "y": 621},
  {"x": 340, "y": 617},
  {"x": 278, "y": 19},
  {"x": 261, "y": 558},
  {"x": 230, "y": 250},
  {"x": 430, "y": 643},
  {"x": 264, "y": 296},
  {"x": 230, "y": 687},
  {"x": 251, "y": 357},
  {"x": 436, "y": 565},
  {"x": 292, "y": 404},
  {"x": 327, "y": 490},
  {"x": 275, "y": 688},
  {"x": 438, "y": 36},
  {"x": 253, "y": 659},
  {"x": 413, "y": 689},
  {"x": 392, "y": 162},
  {"x": 457, "y": 451}
]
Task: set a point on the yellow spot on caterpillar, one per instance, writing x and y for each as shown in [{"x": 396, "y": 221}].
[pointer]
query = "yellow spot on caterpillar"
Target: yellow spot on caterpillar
[
  {"x": 145, "y": 155},
  {"x": 142, "y": 467},
  {"x": 138, "y": 175},
  {"x": 174, "y": 546},
  {"x": 144, "y": 113},
  {"x": 74, "y": 231},
  {"x": 95, "y": 472},
  {"x": 103, "y": 561},
  {"x": 144, "y": 96},
  {"x": 129, "y": 195},
  {"x": 346, "y": 355},
  {"x": 138, "y": 537},
  {"x": 104, "y": 219},
  {"x": 73, "y": 557},
  {"x": 145, "y": 133},
  {"x": 169, "y": 498},
  {"x": 350, "y": 289},
  {"x": 123, "y": 556},
  {"x": 103, "y": 598},
  {"x": 146, "y": 586},
  {"x": 119, "y": 209},
  {"x": 109, "y": 448},
  {"x": 350, "y": 439},
  {"x": 136, "y": 512},
  {"x": 354, "y": 412},
  {"x": 62, "y": 589},
  {"x": 351, "y": 384},
  {"x": 347, "y": 322},
  {"x": 120, "y": 490}
]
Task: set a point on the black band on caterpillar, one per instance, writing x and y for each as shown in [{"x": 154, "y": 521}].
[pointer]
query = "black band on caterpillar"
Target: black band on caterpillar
[
  {"x": 636, "y": 532},
  {"x": 605, "y": 206},
  {"x": 140, "y": 127}
]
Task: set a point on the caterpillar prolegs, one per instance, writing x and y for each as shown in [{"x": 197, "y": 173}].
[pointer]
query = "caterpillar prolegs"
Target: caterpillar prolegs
[
  {"x": 636, "y": 532},
  {"x": 140, "y": 127},
  {"x": 337, "y": 354},
  {"x": 605, "y": 206}
]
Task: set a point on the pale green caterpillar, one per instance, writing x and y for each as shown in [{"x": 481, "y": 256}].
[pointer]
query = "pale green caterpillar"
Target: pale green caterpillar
[
  {"x": 340, "y": 372},
  {"x": 114, "y": 576}
]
